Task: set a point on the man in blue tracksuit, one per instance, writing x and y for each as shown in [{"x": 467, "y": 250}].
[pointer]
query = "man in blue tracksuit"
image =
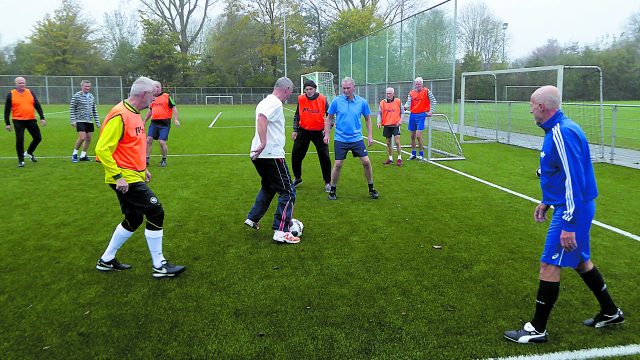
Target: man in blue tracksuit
[{"x": 568, "y": 183}]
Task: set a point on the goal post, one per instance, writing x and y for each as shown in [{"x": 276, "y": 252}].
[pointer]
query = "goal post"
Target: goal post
[
  {"x": 218, "y": 100},
  {"x": 442, "y": 143},
  {"x": 324, "y": 81},
  {"x": 494, "y": 105}
]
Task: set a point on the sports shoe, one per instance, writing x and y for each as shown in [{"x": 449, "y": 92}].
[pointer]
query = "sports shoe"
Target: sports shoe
[
  {"x": 297, "y": 182},
  {"x": 20, "y": 163},
  {"x": 332, "y": 196},
  {"x": 285, "y": 237},
  {"x": 163, "y": 163},
  {"x": 84, "y": 158},
  {"x": 399, "y": 162},
  {"x": 374, "y": 193},
  {"x": 420, "y": 158},
  {"x": 252, "y": 224},
  {"x": 167, "y": 270},
  {"x": 387, "y": 162},
  {"x": 113, "y": 265},
  {"x": 602, "y": 320},
  {"x": 74, "y": 158},
  {"x": 526, "y": 335},
  {"x": 30, "y": 156},
  {"x": 412, "y": 157},
  {"x": 327, "y": 187}
]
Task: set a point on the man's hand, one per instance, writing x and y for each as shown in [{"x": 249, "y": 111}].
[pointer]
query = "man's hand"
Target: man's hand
[
  {"x": 43, "y": 122},
  {"x": 568, "y": 240},
  {"x": 429, "y": 113},
  {"x": 540, "y": 214},
  {"x": 294, "y": 135},
  {"x": 370, "y": 138},
  {"x": 379, "y": 125},
  {"x": 326, "y": 138},
  {"x": 8, "y": 127},
  {"x": 258, "y": 151},
  {"x": 177, "y": 123},
  {"x": 147, "y": 175},
  {"x": 122, "y": 185}
]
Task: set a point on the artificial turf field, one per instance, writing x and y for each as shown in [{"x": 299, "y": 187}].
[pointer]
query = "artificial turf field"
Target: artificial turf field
[{"x": 365, "y": 282}]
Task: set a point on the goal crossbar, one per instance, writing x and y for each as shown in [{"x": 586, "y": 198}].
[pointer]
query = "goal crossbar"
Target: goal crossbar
[{"x": 219, "y": 97}]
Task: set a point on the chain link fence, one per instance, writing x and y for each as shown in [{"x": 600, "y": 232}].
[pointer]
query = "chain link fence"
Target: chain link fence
[{"x": 60, "y": 89}]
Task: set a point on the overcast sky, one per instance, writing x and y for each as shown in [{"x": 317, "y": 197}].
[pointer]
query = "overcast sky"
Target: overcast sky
[{"x": 531, "y": 22}]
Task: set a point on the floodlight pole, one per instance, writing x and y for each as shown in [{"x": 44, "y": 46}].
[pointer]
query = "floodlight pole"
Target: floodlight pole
[
  {"x": 504, "y": 37},
  {"x": 284, "y": 19}
]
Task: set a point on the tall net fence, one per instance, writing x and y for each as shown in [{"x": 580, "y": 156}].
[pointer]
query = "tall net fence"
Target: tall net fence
[
  {"x": 422, "y": 45},
  {"x": 324, "y": 81},
  {"x": 60, "y": 89}
]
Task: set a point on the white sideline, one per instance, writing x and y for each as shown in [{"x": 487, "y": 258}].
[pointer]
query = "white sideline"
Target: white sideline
[
  {"x": 622, "y": 350},
  {"x": 595, "y": 222}
]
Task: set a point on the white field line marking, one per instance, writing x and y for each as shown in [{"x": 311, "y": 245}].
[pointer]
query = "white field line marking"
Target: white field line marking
[
  {"x": 595, "y": 222},
  {"x": 57, "y": 112},
  {"x": 623, "y": 350},
  {"x": 214, "y": 120},
  {"x": 286, "y": 108}
]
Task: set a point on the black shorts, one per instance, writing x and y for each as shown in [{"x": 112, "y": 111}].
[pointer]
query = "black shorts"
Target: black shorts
[
  {"x": 84, "y": 127},
  {"x": 138, "y": 200},
  {"x": 389, "y": 131}
]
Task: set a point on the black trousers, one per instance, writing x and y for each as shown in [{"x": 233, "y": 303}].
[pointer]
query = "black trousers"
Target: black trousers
[
  {"x": 300, "y": 147},
  {"x": 31, "y": 126}
]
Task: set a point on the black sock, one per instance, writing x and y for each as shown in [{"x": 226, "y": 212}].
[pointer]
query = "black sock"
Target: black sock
[
  {"x": 547, "y": 296},
  {"x": 595, "y": 282},
  {"x": 164, "y": 159},
  {"x": 333, "y": 189},
  {"x": 370, "y": 186}
]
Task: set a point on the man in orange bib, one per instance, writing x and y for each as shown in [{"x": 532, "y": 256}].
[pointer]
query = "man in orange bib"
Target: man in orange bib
[
  {"x": 21, "y": 105},
  {"x": 161, "y": 111},
  {"x": 422, "y": 104},
  {"x": 390, "y": 116},
  {"x": 121, "y": 149}
]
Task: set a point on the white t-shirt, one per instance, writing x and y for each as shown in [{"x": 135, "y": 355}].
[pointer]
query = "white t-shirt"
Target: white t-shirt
[{"x": 271, "y": 108}]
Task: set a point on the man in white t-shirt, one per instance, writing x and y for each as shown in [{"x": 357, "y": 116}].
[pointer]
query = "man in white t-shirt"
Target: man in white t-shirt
[{"x": 267, "y": 155}]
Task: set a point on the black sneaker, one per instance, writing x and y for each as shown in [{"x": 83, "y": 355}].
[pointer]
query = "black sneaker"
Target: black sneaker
[
  {"x": 20, "y": 163},
  {"x": 84, "y": 158},
  {"x": 167, "y": 270},
  {"x": 374, "y": 193},
  {"x": 602, "y": 320},
  {"x": 297, "y": 182},
  {"x": 332, "y": 196},
  {"x": 163, "y": 163},
  {"x": 31, "y": 156},
  {"x": 113, "y": 265},
  {"x": 528, "y": 334}
]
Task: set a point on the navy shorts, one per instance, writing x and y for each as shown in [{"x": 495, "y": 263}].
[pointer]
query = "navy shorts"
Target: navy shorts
[
  {"x": 389, "y": 131},
  {"x": 84, "y": 127},
  {"x": 416, "y": 121},
  {"x": 553, "y": 253},
  {"x": 342, "y": 148},
  {"x": 158, "y": 131}
]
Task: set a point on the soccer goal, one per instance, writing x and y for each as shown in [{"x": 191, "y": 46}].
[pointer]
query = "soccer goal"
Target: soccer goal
[
  {"x": 442, "y": 143},
  {"x": 494, "y": 105},
  {"x": 325, "y": 83},
  {"x": 218, "y": 100}
]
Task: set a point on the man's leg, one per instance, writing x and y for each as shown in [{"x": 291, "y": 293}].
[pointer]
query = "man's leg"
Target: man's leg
[
  {"x": 335, "y": 173},
  {"x": 281, "y": 183},
  {"x": 19, "y": 129},
  {"x": 34, "y": 131},
  {"x": 265, "y": 195},
  {"x": 164, "y": 150},
  {"x": 420, "y": 144},
  {"x": 323, "y": 157},
  {"x": 149, "y": 145},
  {"x": 298, "y": 153},
  {"x": 368, "y": 174}
]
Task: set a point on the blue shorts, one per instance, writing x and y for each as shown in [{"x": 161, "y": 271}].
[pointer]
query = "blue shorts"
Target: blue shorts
[
  {"x": 158, "y": 132},
  {"x": 342, "y": 148},
  {"x": 553, "y": 253},
  {"x": 416, "y": 121}
]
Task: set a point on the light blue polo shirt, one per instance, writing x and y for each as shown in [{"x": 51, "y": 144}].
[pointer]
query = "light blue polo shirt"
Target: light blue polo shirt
[{"x": 348, "y": 113}]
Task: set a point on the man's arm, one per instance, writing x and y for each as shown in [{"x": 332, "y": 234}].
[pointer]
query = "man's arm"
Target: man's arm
[
  {"x": 432, "y": 102},
  {"x": 148, "y": 116},
  {"x": 327, "y": 128},
  {"x": 261, "y": 127},
  {"x": 407, "y": 105},
  {"x": 108, "y": 143},
  {"x": 7, "y": 111},
  {"x": 36, "y": 105},
  {"x": 94, "y": 111},
  {"x": 296, "y": 120},
  {"x": 72, "y": 110},
  {"x": 367, "y": 119},
  {"x": 176, "y": 120}
]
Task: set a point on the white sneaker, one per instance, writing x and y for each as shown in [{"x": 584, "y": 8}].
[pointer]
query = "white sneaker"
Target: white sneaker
[
  {"x": 285, "y": 237},
  {"x": 252, "y": 224}
]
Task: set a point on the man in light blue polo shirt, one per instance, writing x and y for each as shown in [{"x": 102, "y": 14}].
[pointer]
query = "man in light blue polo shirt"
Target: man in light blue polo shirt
[{"x": 347, "y": 110}]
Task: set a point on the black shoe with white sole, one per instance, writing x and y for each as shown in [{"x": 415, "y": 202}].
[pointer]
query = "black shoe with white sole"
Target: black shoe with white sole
[
  {"x": 602, "y": 320},
  {"x": 113, "y": 265},
  {"x": 167, "y": 270},
  {"x": 528, "y": 334}
]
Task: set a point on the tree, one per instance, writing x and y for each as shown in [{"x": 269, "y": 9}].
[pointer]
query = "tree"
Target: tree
[
  {"x": 480, "y": 33},
  {"x": 62, "y": 44},
  {"x": 158, "y": 53},
  {"x": 121, "y": 30}
]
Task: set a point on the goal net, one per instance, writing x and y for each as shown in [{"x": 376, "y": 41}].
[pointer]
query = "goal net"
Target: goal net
[
  {"x": 324, "y": 81},
  {"x": 218, "y": 100},
  {"x": 494, "y": 105},
  {"x": 441, "y": 141}
]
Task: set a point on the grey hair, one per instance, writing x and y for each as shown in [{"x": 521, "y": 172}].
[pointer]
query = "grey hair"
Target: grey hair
[
  {"x": 284, "y": 83},
  {"x": 141, "y": 85},
  {"x": 350, "y": 80},
  {"x": 392, "y": 90},
  {"x": 419, "y": 80},
  {"x": 84, "y": 82}
]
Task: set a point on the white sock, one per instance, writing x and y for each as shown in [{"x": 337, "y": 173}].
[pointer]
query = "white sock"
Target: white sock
[
  {"x": 390, "y": 157},
  {"x": 154, "y": 241},
  {"x": 120, "y": 235},
  {"x": 399, "y": 157},
  {"x": 75, "y": 152},
  {"x": 83, "y": 154}
]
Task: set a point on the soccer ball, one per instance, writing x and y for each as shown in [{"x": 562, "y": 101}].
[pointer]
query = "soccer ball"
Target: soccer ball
[
  {"x": 538, "y": 172},
  {"x": 296, "y": 227}
]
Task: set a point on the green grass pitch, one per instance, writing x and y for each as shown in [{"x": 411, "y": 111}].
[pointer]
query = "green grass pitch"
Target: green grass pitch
[{"x": 364, "y": 283}]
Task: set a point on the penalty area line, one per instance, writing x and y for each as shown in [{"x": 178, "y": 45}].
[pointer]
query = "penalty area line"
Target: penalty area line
[
  {"x": 509, "y": 191},
  {"x": 622, "y": 350}
]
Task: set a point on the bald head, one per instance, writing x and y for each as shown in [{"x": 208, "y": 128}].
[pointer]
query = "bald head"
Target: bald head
[{"x": 545, "y": 101}]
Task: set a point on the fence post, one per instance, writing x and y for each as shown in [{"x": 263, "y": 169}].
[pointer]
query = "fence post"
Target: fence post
[
  {"x": 97, "y": 92},
  {"x": 46, "y": 87},
  {"x": 509, "y": 123},
  {"x": 614, "y": 111}
]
